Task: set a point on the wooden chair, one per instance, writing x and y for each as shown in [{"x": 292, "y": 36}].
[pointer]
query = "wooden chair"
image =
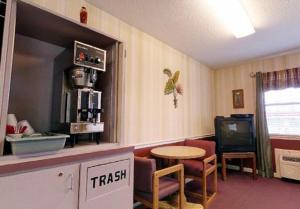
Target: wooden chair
[
  {"x": 200, "y": 169},
  {"x": 151, "y": 185}
]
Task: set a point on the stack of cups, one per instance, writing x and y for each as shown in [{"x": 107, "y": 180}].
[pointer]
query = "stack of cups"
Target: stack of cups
[
  {"x": 12, "y": 121},
  {"x": 29, "y": 130}
]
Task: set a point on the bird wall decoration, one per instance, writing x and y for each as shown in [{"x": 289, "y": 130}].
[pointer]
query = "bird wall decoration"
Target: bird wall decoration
[{"x": 172, "y": 87}]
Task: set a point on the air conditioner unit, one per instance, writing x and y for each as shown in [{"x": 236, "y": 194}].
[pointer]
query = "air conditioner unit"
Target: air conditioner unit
[{"x": 290, "y": 166}]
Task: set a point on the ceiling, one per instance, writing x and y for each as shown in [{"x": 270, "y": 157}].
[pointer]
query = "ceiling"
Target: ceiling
[{"x": 191, "y": 27}]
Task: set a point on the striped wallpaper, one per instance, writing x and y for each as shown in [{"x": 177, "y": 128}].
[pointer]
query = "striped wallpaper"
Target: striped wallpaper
[
  {"x": 149, "y": 115},
  {"x": 238, "y": 77}
]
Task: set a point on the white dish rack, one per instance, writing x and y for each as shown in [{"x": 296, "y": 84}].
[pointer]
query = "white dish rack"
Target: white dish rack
[{"x": 36, "y": 144}]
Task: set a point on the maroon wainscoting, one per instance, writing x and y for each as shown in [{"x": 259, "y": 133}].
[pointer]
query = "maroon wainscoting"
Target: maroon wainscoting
[
  {"x": 145, "y": 152},
  {"x": 283, "y": 144},
  {"x": 275, "y": 143}
]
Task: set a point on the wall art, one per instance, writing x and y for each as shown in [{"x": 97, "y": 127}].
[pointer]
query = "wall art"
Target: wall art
[{"x": 172, "y": 86}]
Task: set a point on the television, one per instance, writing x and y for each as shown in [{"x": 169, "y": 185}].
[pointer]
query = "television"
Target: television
[{"x": 235, "y": 133}]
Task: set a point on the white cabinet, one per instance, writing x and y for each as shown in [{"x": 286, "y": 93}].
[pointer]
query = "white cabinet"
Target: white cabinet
[
  {"x": 97, "y": 183},
  {"x": 53, "y": 188}
]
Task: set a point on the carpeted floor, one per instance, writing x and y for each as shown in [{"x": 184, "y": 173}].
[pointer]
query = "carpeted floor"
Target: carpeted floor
[{"x": 240, "y": 191}]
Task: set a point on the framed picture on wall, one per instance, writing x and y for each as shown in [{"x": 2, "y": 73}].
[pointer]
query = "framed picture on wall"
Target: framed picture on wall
[{"x": 238, "y": 98}]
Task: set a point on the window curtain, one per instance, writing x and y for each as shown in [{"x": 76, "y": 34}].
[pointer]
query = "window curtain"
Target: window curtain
[
  {"x": 262, "y": 135},
  {"x": 281, "y": 79}
]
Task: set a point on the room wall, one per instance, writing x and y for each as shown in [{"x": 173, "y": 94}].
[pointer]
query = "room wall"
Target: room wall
[
  {"x": 238, "y": 77},
  {"x": 149, "y": 115}
]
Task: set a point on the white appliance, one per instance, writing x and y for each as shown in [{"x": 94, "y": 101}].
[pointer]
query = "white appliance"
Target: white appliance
[{"x": 290, "y": 166}]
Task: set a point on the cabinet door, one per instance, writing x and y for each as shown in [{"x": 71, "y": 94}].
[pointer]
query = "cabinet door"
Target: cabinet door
[
  {"x": 107, "y": 183},
  {"x": 54, "y": 188}
]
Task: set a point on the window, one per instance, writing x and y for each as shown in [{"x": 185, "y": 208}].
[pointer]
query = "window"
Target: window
[{"x": 283, "y": 111}]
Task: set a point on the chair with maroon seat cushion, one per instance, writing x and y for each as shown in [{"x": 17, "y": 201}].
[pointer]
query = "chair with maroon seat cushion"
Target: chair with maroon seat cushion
[
  {"x": 199, "y": 169},
  {"x": 151, "y": 185}
]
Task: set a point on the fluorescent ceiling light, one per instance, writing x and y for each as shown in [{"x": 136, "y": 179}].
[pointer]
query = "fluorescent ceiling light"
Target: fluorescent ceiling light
[{"x": 234, "y": 16}]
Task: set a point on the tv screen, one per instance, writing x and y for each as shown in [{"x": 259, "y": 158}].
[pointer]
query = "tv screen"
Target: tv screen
[{"x": 235, "y": 134}]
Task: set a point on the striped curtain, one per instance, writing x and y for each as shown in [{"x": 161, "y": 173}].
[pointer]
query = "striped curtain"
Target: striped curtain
[{"x": 281, "y": 79}]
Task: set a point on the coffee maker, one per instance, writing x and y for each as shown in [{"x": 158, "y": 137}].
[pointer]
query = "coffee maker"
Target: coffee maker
[{"x": 76, "y": 101}]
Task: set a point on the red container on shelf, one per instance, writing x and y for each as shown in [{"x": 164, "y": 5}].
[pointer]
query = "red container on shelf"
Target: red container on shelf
[{"x": 83, "y": 15}]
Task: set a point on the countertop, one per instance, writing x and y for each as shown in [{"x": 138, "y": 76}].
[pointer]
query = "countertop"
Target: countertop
[{"x": 13, "y": 163}]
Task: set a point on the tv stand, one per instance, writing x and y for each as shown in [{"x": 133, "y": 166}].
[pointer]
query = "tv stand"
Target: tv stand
[{"x": 239, "y": 155}]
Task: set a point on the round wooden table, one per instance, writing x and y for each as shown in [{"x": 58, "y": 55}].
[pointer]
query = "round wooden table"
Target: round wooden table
[{"x": 178, "y": 152}]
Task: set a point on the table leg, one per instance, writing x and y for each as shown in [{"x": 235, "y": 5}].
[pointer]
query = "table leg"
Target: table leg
[
  {"x": 186, "y": 205},
  {"x": 241, "y": 165},
  {"x": 176, "y": 200},
  {"x": 224, "y": 168},
  {"x": 254, "y": 167}
]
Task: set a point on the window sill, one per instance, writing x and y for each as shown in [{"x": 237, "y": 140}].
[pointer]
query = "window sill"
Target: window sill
[{"x": 287, "y": 137}]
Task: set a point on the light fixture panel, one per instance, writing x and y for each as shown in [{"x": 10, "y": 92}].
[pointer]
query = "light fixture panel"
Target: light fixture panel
[{"x": 234, "y": 16}]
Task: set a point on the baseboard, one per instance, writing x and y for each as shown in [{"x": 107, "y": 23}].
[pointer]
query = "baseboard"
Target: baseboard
[
  {"x": 237, "y": 168},
  {"x": 136, "y": 204},
  {"x": 169, "y": 141},
  {"x": 277, "y": 175},
  {"x": 248, "y": 170}
]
